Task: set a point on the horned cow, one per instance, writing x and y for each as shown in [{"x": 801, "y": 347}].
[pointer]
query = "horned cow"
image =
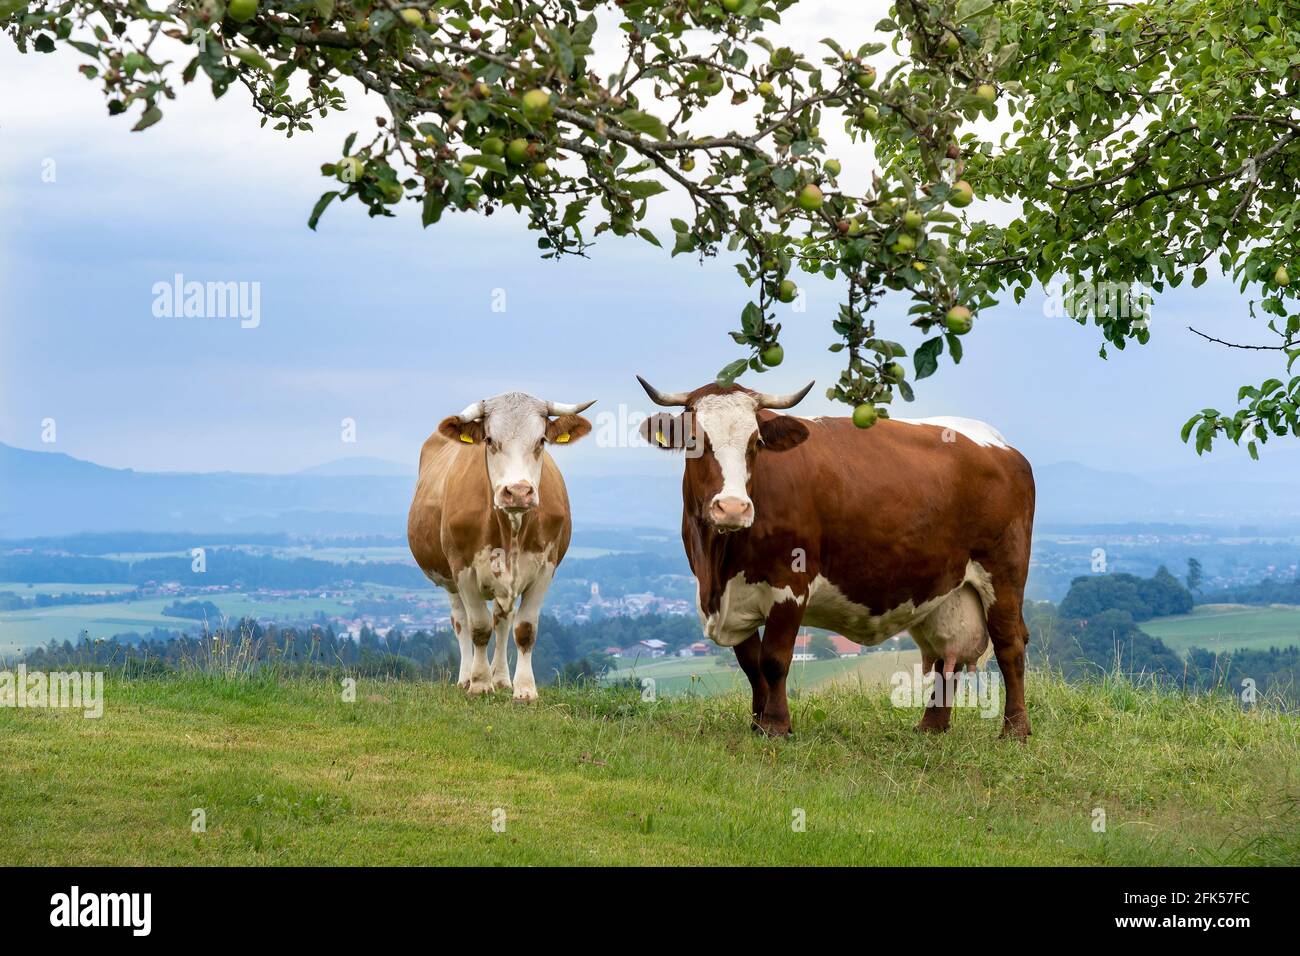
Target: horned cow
[
  {"x": 920, "y": 525},
  {"x": 490, "y": 523}
]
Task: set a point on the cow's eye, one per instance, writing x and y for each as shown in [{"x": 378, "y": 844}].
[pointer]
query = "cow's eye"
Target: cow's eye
[{"x": 488, "y": 441}]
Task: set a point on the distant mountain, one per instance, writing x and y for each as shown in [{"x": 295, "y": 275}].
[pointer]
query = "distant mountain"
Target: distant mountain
[
  {"x": 1071, "y": 493},
  {"x": 352, "y": 467},
  {"x": 48, "y": 493}
]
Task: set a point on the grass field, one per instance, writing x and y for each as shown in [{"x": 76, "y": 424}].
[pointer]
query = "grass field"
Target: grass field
[
  {"x": 287, "y": 772},
  {"x": 717, "y": 674},
  {"x": 1226, "y": 627},
  {"x": 32, "y": 626}
]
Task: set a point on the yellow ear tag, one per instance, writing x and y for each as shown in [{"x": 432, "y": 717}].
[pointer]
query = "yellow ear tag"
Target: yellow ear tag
[
  {"x": 663, "y": 442},
  {"x": 560, "y": 440},
  {"x": 466, "y": 439}
]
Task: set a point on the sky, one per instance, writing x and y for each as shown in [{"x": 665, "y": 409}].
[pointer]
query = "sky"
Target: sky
[{"x": 393, "y": 327}]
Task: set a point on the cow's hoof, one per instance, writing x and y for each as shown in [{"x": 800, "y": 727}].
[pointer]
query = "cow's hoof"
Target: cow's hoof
[
  {"x": 772, "y": 728},
  {"x": 501, "y": 683},
  {"x": 477, "y": 688},
  {"x": 1015, "y": 728},
  {"x": 930, "y": 728},
  {"x": 463, "y": 683},
  {"x": 526, "y": 695}
]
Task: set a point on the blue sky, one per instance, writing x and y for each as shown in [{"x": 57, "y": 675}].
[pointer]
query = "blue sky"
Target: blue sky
[{"x": 391, "y": 325}]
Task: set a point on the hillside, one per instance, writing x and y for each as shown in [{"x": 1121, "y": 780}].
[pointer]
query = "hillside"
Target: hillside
[
  {"x": 412, "y": 773},
  {"x": 50, "y": 493}
]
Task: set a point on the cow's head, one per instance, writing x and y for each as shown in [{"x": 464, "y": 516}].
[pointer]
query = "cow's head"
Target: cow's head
[
  {"x": 728, "y": 429},
  {"x": 513, "y": 428}
]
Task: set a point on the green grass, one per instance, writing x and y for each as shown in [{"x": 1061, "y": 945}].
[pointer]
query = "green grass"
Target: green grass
[
  {"x": 1226, "y": 627},
  {"x": 411, "y": 773},
  {"x": 716, "y": 675},
  {"x": 32, "y": 626}
]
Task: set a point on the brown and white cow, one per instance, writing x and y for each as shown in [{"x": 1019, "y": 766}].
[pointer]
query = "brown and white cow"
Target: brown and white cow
[
  {"x": 490, "y": 524},
  {"x": 919, "y": 525}
]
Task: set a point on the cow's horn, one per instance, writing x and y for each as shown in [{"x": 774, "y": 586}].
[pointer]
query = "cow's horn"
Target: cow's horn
[
  {"x": 472, "y": 413},
  {"x": 668, "y": 400},
  {"x": 782, "y": 401},
  {"x": 561, "y": 408}
]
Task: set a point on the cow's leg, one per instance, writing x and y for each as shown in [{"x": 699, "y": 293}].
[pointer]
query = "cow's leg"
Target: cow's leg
[
  {"x": 530, "y": 610},
  {"x": 1007, "y": 569},
  {"x": 1010, "y": 635},
  {"x": 938, "y": 703},
  {"x": 480, "y": 633},
  {"x": 502, "y": 615},
  {"x": 749, "y": 655},
  {"x": 774, "y": 663},
  {"x": 460, "y": 627}
]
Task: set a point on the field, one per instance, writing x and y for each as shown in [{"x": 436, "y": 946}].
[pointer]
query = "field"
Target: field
[
  {"x": 1226, "y": 627},
  {"x": 717, "y": 674},
  {"x": 415, "y": 773},
  {"x": 32, "y": 626}
]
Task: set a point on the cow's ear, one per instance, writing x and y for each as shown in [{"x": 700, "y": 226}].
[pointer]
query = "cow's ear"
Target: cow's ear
[
  {"x": 663, "y": 430},
  {"x": 471, "y": 433},
  {"x": 782, "y": 432},
  {"x": 566, "y": 429}
]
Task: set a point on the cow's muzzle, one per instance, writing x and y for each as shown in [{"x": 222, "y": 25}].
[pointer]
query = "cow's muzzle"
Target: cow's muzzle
[
  {"x": 519, "y": 497},
  {"x": 731, "y": 514}
]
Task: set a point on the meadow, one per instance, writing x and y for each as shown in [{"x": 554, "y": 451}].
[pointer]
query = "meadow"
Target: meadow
[
  {"x": 32, "y": 626},
  {"x": 1226, "y": 627},
  {"x": 718, "y": 674},
  {"x": 286, "y": 771}
]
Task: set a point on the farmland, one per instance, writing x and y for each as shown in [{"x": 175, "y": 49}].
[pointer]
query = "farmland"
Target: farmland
[
  {"x": 1226, "y": 627},
  {"x": 718, "y": 674}
]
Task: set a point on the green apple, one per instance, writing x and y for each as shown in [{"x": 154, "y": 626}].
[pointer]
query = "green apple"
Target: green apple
[
  {"x": 870, "y": 117},
  {"x": 958, "y": 320},
  {"x": 731, "y": 6},
  {"x": 866, "y": 77},
  {"x": 773, "y": 356},
  {"x": 787, "y": 290},
  {"x": 467, "y": 168},
  {"x": 540, "y": 168},
  {"x": 711, "y": 85},
  {"x": 949, "y": 44},
  {"x": 350, "y": 169},
  {"x": 986, "y": 92},
  {"x": 1282, "y": 277},
  {"x": 962, "y": 195},
  {"x": 517, "y": 151},
  {"x": 912, "y": 219},
  {"x": 494, "y": 146},
  {"x": 766, "y": 89},
  {"x": 810, "y": 198},
  {"x": 832, "y": 167},
  {"x": 241, "y": 11},
  {"x": 537, "y": 105},
  {"x": 904, "y": 243},
  {"x": 412, "y": 18},
  {"x": 865, "y": 415},
  {"x": 893, "y": 373}
]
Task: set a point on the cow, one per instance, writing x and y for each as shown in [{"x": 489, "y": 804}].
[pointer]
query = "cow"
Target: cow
[
  {"x": 490, "y": 523},
  {"x": 920, "y": 525}
]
